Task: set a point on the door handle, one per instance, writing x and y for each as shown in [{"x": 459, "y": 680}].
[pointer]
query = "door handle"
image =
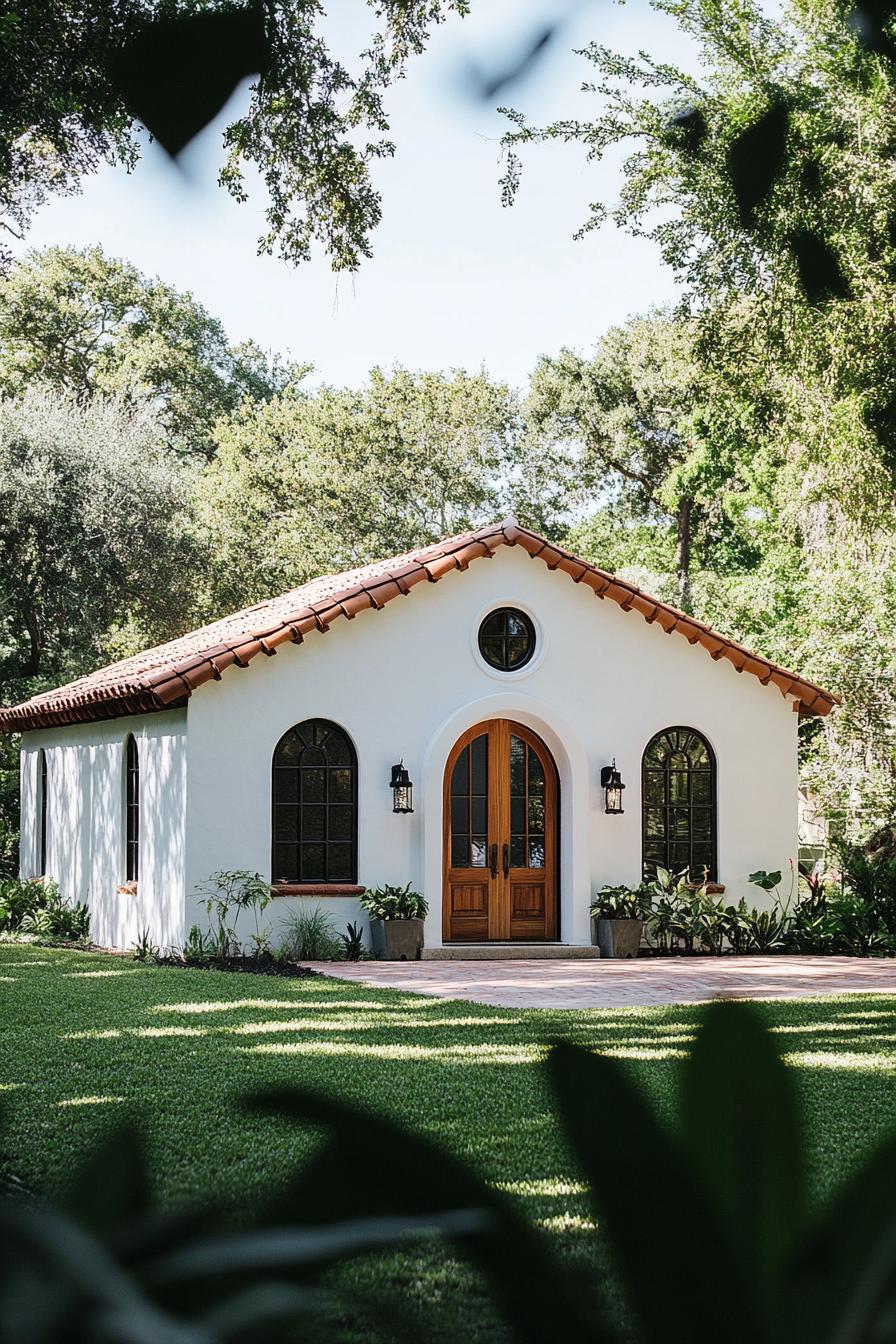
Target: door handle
[
  {"x": 505, "y": 854},
  {"x": 494, "y": 861}
]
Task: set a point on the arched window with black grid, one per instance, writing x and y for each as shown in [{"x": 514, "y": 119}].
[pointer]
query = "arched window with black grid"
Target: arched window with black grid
[
  {"x": 132, "y": 809},
  {"x": 315, "y": 804},
  {"x": 678, "y": 804},
  {"x": 42, "y": 784}
]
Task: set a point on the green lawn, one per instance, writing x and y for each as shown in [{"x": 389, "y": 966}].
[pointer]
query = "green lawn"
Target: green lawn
[{"x": 88, "y": 1038}]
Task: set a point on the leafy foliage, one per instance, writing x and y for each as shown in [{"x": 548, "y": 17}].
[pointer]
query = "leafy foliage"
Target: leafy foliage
[
  {"x": 391, "y": 902},
  {"x": 78, "y": 484},
  {"x": 310, "y": 483},
  {"x": 79, "y": 73},
  {"x": 88, "y": 324},
  {"x": 226, "y": 895},
  {"x": 34, "y": 907}
]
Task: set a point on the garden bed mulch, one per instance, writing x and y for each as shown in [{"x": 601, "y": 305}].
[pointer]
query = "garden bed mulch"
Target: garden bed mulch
[{"x": 292, "y": 970}]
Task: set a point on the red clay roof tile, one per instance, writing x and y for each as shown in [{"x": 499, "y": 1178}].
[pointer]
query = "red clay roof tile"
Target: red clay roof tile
[{"x": 167, "y": 675}]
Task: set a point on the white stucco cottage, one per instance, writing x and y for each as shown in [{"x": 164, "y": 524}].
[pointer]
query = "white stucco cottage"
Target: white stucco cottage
[{"x": 502, "y": 684}]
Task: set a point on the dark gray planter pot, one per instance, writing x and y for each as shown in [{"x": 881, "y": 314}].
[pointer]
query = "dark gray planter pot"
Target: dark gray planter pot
[
  {"x": 397, "y": 939},
  {"x": 617, "y": 938}
]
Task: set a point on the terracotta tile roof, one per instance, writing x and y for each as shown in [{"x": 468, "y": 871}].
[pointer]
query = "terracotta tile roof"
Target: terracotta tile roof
[{"x": 167, "y": 675}]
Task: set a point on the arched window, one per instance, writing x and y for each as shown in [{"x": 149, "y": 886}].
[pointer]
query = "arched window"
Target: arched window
[
  {"x": 42, "y": 811},
  {"x": 132, "y": 810},
  {"x": 678, "y": 803},
  {"x": 315, "y": 805}
]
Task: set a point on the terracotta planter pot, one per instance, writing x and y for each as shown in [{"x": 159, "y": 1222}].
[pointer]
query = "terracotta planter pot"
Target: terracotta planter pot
[
  {"x": 618, "y": 938},
  {"x": 397, "y": 939}
]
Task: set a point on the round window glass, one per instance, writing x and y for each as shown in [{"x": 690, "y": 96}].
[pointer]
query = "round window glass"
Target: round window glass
[{"x": 507, "y": 639}]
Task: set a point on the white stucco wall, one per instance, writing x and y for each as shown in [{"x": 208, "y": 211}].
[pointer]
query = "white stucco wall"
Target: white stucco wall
[
  {"x": 406, "y": 681},
  {"x": 86, "y": 827}
]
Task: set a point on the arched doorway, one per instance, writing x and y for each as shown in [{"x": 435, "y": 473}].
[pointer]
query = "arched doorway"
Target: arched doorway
[{"x": 500, "y": 836}]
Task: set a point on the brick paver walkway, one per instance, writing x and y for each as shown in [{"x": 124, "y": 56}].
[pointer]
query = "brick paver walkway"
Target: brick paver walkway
[{"x": 617, "y": 984}]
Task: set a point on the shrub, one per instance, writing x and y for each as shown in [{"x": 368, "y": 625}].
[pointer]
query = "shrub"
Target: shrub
[
  {"x": 311, "y": 936},
  {"x": 225, "y": 895},
  {"x": 389, "y": 902},
  {"x": 621, "y": 902},
  {"x": 34, "y": 907}
]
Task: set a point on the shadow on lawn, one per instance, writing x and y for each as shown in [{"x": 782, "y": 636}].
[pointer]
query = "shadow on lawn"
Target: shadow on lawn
[{"x": 707, "y": 1219}]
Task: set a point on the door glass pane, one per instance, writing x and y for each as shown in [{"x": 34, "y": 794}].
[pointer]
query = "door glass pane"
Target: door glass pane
[
  {"x": 536, "y": 852},
  {"x": 479, "y": 762},
  {"x": 460, "y": 816},
  {"x": 517, "y": 767},
  {"x": 460, "y": 775},
  {"x": 518, "y": 851},
  {"x": 469, "y": 806},
  {"x": 518, "y": 815}
]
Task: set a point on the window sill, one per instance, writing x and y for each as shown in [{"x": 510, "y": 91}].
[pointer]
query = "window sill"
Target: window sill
[
  {"x": 317, "y": 889},
  {"x": 127, "y": 889},
  {"x": 711, "y": 888}
]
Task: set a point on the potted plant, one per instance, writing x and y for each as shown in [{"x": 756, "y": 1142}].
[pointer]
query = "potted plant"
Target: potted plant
[
  {"x": 396, "y": 922},
  {"x": 617, "y": 920}
]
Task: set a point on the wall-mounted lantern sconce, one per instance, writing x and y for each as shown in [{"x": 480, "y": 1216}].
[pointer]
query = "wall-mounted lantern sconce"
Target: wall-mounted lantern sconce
[
  {"x": 402, "y": 789},
  {"x": 611, "y": 783}
]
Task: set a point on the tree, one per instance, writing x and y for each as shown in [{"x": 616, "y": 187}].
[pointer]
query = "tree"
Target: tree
[
  {"x": 312, "y": 482},
  {"x": 313, "y": 130},
  {"x": 94, "y": 533},
  {"x": 769, "y": 178},
  {"x": 87, "y": 323},
  {"x": 653, "y": 451}
]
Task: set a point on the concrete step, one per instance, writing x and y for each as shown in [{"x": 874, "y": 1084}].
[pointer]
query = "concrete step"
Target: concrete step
[{"x": 509, "y": 952}]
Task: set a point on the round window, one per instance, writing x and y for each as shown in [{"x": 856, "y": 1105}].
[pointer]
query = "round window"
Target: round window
[{"x": 507, "y": 639}]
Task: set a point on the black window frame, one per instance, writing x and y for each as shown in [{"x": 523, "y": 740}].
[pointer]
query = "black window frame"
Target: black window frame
[
  {"x": 131, "y": 809},
  {"x": 42, "y": 778},
  {"x": 648, "y": 865},
  {"x": 297, "y": 876},
  {"x": 484, "y": 635}
]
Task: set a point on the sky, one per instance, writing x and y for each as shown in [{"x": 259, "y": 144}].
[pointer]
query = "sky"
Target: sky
[{"x": 457, "y": 280}]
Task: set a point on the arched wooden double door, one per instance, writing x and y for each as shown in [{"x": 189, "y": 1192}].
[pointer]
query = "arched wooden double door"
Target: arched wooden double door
[{"x": 500, "y": 836}]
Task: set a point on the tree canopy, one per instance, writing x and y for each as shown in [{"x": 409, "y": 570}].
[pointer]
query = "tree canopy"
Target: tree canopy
[
  {"x": 310, "y": 482},
  {"x": 80, "y": 321},
  {"x": 95, "y": 533},
  {"x": 313, "y": 131}
]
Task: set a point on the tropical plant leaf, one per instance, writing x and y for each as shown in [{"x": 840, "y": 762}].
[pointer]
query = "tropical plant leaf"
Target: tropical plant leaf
[
  {"x": 842, "y": 1285},
  {"x": 411, "y": 1176},
  {"x": 755, "y": 159},
  {"x": 740, "y": 1123},
  {"x": 177, "y": 72},
  {"x": 650, "y": 1199},
  {"x": 112, "y": 1187}
]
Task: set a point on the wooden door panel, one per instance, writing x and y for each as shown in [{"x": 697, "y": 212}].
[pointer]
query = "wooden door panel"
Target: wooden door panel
[
  {"x": 500, "y": 836},
  {"x": 468, "y": 910}
]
